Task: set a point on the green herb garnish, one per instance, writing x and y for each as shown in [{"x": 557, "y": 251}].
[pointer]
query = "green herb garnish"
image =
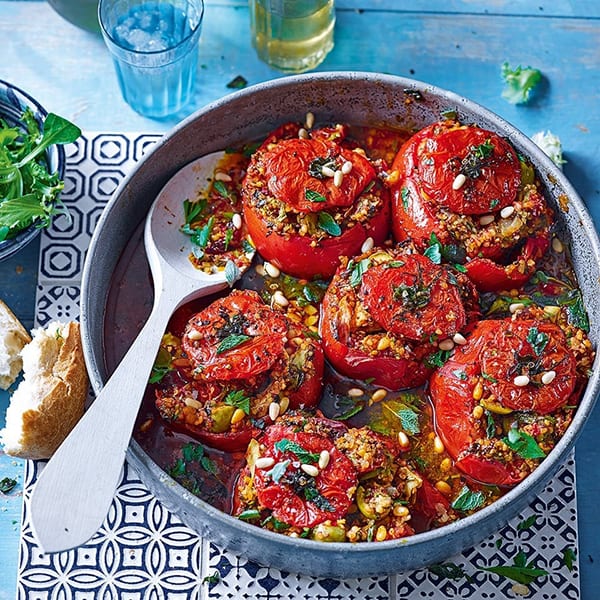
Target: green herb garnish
[
  {"x": 468, "y": 500},
  {"x": 278, "y": 470},
  {"x": 519, "y": 83},
  {"x": 232, "y": 341},
  {"x": 523, "y": 444},
  {"x": 285, "y": 445},
  {"x": 313, "y": 196},
  {"x": 537, "y": 340},
  {"x": 357, "y": 270},
  {"x": 238, "y": 399},
  {"x": 519, "y": 571},
  {"x": 327, "y": 223},
  {"x": 238, "y": 83},
  {"x": 448, "y": 571},
  {"x": 7, "y": 485}
]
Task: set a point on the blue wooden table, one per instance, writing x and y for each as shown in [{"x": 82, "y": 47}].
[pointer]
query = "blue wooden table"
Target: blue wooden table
[{"x": 454, "y": 44}]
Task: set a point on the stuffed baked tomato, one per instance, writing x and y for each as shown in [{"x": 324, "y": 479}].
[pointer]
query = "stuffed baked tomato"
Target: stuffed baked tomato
[
  {"x": 504, "y": 399},
  {"x": 308, "y": 475},
  {"x": 387, "y": 314},
  {"x": 469, "y": 187},
  {"x": 235, "y": 365},
  {"x": 309, "y": 200}
]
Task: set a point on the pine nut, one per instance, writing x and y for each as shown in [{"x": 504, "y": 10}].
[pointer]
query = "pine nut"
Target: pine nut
[
  {"x": 355, "y": 392},
  {"x": 515, "y": 307},
  {"x": 220, "y": 176},
  {"x": 328, "y": 172},
  {"x": 438, "y": 445},
  {"x": 236, "y": 219},
  {"x": 378, "y": 395},
  {"x": 271, "y": 270},
  {"x": 477, "y": 411},
  {"x": 459, "y": 339},
  {"x": 486, "y": 220},
  {"x": 548, "y": 377},
  {"x": 459, "y": 181},
  {"x": 557, "y": 245},
  {"x": 192, "y": 403},
  {"x": 367, "y": 245},
  {"x": 280, "y": 299},
  {"x": 400, "y": 510},
  {"x": 443, "y": 487},
  {"x": 446, "y": 344},
  {"x": 507, "y": 211},
  {"x": 274, "y": 409},
  {"x": 303, "y": 134},
  {"x": 520, "y": 589},
  {"x": 310, "y": 470},
  {"x": 194, "y": 335},
  {"x": 284, "y": 404},
  {"x": 324, "y": 459},
  {"x": 381, "y": 533},
  {"x": 384, "y": 343},
  {"x": 260, "y": 270},
  {"x": 478, "y": 390},
  {"x": 347, "y": 167},
  {"x": 521, "y": 380},
  {"x": 264, "y": 462},
  {"x": 403, "y": 440},
  {"x": 309, "y": 120},
  {"x": 338, "y": 178},
  {"x": 237, "y": 416},
  {"x": 446, "y": 464}
]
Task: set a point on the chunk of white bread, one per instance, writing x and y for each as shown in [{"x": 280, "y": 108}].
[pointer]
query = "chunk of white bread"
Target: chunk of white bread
[
  {"x": 13, "y": 336},
  {"x": 50, "y": 399}
]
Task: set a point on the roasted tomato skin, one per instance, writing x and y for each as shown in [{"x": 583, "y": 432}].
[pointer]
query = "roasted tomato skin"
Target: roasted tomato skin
[
  {"x": 464, "y": 184},
  {"x": 302, "y": 219},
  {"x": 484, "y": 370}
]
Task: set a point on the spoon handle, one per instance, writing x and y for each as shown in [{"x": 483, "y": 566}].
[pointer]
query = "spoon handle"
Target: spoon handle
[{"x": 75, "y": 489}]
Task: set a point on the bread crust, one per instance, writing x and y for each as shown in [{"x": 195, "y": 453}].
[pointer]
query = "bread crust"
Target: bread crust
[
  {"x": 15, "y": 336},
  {"x": 45, "y": 427}
]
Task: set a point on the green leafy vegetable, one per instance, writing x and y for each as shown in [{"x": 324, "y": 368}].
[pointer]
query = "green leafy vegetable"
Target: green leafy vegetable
[
  {"x": 527, "y": 523},
  {"x": 467, "y": 500},
  {"x": 237, "y": 83},
  {"x": 519, "y": 571},
  {"x": 278, "y": 470},
  {"x": 232, "y": 272},
  {"x": 519, "y": 82},
  {"x": 537, "y": 339},
  {"x": 232, "y": 341},
  {"x": 7, "y": 485},
  {"x": 313, "y": 196},
  {"x": 357, "y": 270},
  {"x": 238, "y": 399},
  {"x": 448, "y": 571},
  {"x": 523, "y": 444},
  {"x": 327, "y": 223},
  {"x": 28, "y": 191},
  {"x": 285, "y": 445},
  {"x": 569, "y": 558}
]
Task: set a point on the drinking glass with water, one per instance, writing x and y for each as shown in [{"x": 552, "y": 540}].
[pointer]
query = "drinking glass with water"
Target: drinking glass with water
[{"x": 154, "y": 45}]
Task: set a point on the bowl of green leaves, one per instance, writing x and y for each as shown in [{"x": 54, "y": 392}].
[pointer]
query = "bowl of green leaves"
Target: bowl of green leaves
[{"x": 32, "y": 164}]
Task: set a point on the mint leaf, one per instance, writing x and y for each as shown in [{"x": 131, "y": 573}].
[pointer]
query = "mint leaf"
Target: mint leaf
[
  {"x": 238, "y": 399},
  {"x": 468, "y": 500},
  {"x": 232, "y": 341},
  {"x": 327, "y": 223},
  {"x": 537, "y": 340},
  {"x": 523, "y": 444},
  {"x": 285, "y": 445},
  {"x": 519, "y": 571},
  {"x": 357, "y": 271},
  {"x": 278, "y": 470},
  {"x": 313, "y": 196}
]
